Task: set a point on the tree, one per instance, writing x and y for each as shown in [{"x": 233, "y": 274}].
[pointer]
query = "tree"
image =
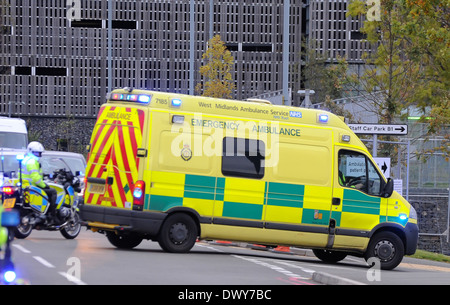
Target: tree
[
  {"x": 216, "y": 71},
  {"x": 318, "y": 73},
  {"x": 323, "y": 76},
  {"x": 409, "y": 65}
]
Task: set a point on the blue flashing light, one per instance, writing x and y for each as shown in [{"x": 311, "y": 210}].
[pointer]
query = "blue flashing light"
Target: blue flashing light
[
  {"x": 137, "y": 193},
  {"x": 9, "y": 276},
  {"x": 144, "y": 98},
  {"x": 402, "y": 216},
  {"x": 323, "y": 118},
  {"x": 176, "y": 102},
  {"x": 10, "y": 218}
]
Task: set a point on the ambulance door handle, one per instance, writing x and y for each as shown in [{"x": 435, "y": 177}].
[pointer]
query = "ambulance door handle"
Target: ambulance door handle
[
  {"x": 336, "y": 201},
  {"x": 110, "y": 180}
]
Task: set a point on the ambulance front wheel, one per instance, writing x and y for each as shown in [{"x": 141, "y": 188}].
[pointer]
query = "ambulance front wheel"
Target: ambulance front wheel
[
  {"x": 385, "y": 248},
  {"x": 178, "y": 233}
]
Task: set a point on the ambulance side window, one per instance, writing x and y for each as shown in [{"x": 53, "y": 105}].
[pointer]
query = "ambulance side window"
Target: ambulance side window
[
  {"x": 357, "y": 171},
  {"x": 243, "y": 158}
]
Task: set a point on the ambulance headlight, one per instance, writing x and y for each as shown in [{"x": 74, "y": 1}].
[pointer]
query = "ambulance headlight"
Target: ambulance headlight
[
  {"x": 412, "y": 213},
  {"x": 345, "y": 138}
]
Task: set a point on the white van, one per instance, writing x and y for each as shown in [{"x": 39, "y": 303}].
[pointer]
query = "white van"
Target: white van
[{"x": 13, "y": 133}]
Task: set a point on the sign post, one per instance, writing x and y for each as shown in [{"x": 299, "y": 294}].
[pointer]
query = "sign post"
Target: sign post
[
  {"x": 386, "y": 129},
  {"x": 385, "y": 165},
  {"x": 383, "y": 129}
]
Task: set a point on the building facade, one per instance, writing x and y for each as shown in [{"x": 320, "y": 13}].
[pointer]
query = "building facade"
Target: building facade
[{"x": 55, "y": 59}]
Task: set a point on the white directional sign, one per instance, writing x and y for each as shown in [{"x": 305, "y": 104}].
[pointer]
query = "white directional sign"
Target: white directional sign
[
  {"x": 385, "y": 165},
  {"x": 398, "y": 186},
  {"x": 386, "y": 129}
]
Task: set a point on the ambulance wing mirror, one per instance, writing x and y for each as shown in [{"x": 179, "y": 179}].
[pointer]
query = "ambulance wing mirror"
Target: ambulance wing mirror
[{"x": 388, "y": 188}]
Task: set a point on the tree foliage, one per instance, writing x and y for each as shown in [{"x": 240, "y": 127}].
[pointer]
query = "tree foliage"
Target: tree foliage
[
  {"x": 216, "y": 72},
  {"x": 409, "y": 64}
]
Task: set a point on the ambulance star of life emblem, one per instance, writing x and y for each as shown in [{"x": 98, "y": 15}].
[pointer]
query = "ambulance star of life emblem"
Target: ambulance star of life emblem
[{"x": 186, "y": 153}]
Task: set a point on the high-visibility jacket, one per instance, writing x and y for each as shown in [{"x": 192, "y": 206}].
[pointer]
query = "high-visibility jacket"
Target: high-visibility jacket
[{"x": 31, "y": 171}]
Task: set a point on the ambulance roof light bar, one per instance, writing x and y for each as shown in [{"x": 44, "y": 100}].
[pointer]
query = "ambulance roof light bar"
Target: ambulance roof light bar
[{"x": 141, "y": 98}]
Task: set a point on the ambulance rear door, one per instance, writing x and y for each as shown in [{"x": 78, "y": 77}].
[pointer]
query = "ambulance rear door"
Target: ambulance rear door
[{"x": 113, "y": 162}]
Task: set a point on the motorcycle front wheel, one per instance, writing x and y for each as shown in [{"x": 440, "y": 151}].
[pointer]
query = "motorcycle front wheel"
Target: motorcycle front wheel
[
  {"x": 73, "y": 228},
  {"x": 23, "y": 230}
]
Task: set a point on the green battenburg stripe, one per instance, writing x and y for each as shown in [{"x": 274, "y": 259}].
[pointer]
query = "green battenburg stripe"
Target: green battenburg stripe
[
  {"x": 147, "y": 202},
  {"x": 242, "y": 210},
  {"x": 198, "y": 192},
  {"x": 163, "y": 203},
  {"x": 285, "y": 200},
  {"x": 336, "y": 215},
  {"x": 352, "y": 195},
  {"x": 285, "y": 188},
  {"x": 199, "y": 187},
  {"x": 220, "y": 188},
  {"x": 357, "y": 202},
  {"x": 283, "y": 194}
]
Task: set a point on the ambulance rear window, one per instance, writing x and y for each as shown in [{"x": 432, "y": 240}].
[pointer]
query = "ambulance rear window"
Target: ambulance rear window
[{"x": 243, "y": 158}]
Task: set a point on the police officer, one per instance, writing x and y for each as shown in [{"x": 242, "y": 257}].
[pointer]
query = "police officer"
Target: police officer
[{"x": 31, "y": 171}]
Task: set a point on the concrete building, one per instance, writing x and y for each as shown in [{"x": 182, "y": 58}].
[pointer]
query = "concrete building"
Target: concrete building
[{"x": 54, "y": 57}]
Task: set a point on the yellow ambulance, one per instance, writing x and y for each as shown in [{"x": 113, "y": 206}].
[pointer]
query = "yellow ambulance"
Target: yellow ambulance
[{"x": 175, "y": 168}]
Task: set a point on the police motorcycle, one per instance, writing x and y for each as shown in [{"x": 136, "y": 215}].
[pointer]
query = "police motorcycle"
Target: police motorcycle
[{"x": 33, "y": 204}]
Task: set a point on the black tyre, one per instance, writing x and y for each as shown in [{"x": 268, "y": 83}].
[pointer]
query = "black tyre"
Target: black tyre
[
  {"x": 329, "y": 256},
  {"x": 178, "y": 233},
  {"x": 23, "y": 229},
  {"x": 72, "y": 230},
  {"x": 124, "y": 241},
  {"x": 388, "y": 248}
]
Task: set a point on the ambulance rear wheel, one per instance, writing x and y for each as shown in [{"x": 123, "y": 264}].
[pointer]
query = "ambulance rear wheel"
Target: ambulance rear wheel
[
  {"x": 329, "y": 256},
  {"x": 124, "y": 241},
  {"x": 178, "y": 233},
  {"x": 386, "y": 247}
]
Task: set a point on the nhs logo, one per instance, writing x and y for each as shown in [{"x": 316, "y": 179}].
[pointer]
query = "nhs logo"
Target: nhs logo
[{"x": 295, "y": 114}]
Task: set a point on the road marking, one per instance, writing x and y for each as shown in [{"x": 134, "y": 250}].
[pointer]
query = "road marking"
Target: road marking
[
  {"x": 291, "y": 276},
  {"x": 425, "y": 267},
  {"x": 72, "y": 278},
  {"x": 298, "y": 267},
  {"x": 43, "y": 262},
  {"x": 19, "y": 247},
  {"x": 209, "y": 247}
]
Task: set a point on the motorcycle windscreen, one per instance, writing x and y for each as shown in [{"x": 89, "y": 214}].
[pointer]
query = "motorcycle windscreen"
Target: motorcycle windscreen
[{"x": 112, "y": 167}]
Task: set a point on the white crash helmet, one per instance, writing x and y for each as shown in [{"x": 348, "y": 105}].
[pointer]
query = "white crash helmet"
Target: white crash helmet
[{"x": 35, "y": 148}]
